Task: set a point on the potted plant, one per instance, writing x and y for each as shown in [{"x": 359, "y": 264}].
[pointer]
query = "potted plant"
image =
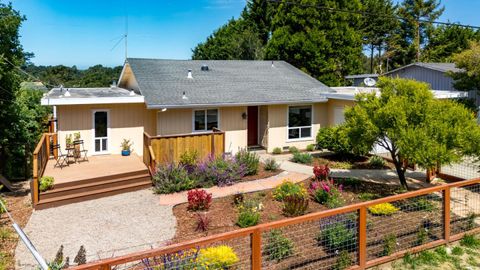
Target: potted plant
[
  {"x": 126, "y": 147},
  {"x": 76, "y": 137},
  {"x": 68, "y": 140}
]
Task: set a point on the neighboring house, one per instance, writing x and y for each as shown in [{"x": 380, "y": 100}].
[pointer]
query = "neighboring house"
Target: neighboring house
[
  {"x": 360, "y": 79},
  {"x": 256, "y": 103}
]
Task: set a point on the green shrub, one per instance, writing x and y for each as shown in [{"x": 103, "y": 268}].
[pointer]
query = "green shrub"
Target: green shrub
[
  {"x": 334, "y": 139},
  {"x": 248, "y": 213},
  {"x": 422, "y": 204},
  {"x": 389, "y": 244},
  {"x": 376, "y": 162},
  {"x": 366, "y": 196},
  {"x": 326, "y": 192},
  {"x": 46, "y": 183},
  {"x": 277, "y": 151},
  {"x": 271, "y": 165},
  {"x": 189, "y": 158},
  {"x": 287, "y": 188},
  {"x": 278, "y": 246},
  {"x": 171, "y": 178},
  {"x": 383, "y": 209},
  {"x": 249, "y": 160},
  {"x": 293, "y": 149},
  {"x": 295, "y": 205},
  {"x": 422, "y": 235},
  {"x": 302, "y": 158},
  {"x": 344, "y": 261},
  {"x": 337, "y": 237},
  {"x": 219, "y": 257},
  {"x": 457, "y": 251},
  {"x": 470, "y": 241},
  {"x": 310, "y": 147}
]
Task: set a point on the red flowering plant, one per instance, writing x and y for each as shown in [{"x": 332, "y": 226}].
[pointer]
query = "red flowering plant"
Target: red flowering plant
[
  {"x": 199, "y": 199},
  {"x": 324, "y": 190},
  {"x": 321, "y": 172}
]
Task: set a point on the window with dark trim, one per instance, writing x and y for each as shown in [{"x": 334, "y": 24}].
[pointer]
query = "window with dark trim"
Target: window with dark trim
[
  {"x": 204, "y": 120},
  {"x": 299, "y": 122}
]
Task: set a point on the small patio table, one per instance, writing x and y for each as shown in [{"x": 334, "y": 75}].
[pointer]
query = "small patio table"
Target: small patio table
[{"x": 70, "y": 154}]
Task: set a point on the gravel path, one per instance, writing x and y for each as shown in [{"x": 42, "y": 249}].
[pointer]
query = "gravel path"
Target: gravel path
[{"x": 107, "y": 227}]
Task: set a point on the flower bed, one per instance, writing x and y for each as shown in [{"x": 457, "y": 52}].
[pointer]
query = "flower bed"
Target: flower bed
[
  {"x": 224, "y": 170},
  {"x": 391, "y": 227},
  {"x": 336, "y": 161}
]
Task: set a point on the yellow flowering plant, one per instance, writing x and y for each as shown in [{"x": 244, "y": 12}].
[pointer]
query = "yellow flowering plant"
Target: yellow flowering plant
[
  {"x": 219, "y": 257},
  {"x": 383, "y": 209},
  {"x": 289, "y": 188}
]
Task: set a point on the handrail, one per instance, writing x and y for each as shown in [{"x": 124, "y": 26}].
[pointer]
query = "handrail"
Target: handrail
[
  {"x": 256, "y": 231},
  {"x": 41, "y": 154},
  {"x": 153, "y": 161}
]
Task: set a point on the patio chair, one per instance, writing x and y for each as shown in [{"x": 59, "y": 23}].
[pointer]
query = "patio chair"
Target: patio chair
[
  {"x": 62, "y": 159},
  {"x": 82, "y": 152}
]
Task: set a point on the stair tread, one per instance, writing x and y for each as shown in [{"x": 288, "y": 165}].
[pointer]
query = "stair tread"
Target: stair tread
[
  {"x": 91, "y": 193},
  {"x": 101, "y": 178},
  {"x": 98, "y": 183}
]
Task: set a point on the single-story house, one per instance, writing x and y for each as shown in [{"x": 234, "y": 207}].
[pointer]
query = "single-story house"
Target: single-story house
[{"x": 256, "y": 103}]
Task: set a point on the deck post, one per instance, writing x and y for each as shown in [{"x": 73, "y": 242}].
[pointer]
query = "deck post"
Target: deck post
[
  {"x": 213, "y": 143},
  {"x": 55, "y": 141},
  {"x": 34, "y": 183}
]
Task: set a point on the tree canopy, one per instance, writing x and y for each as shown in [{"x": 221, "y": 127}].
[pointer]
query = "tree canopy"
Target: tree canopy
[
  {"x": 411, "y": 125},
  {"x": 469, "y": 61}
]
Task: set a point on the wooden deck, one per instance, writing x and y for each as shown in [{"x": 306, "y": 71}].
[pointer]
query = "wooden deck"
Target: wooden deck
[
  {"x": 101, "y": 176},
  {"x": 96, "y": 167}
]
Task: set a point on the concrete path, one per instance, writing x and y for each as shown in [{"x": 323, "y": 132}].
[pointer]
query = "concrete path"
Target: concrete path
[
  {"x": 107, "y": 227},
  {"x": 415, "y": 178},
  {"x": 244, "y": 187}
]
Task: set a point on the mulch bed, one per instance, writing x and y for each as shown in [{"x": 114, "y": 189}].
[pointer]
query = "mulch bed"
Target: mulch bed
[
  {"x": 262, "y": 173},
  {"x": 336, "y": 161},
  {"x": 19, "y": 206},
  {"x": 308, "y": 253}
]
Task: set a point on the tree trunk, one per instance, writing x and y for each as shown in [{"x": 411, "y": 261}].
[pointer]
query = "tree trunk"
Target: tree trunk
[
  {"x": 400, "y": 170},
  {"x": 371, "y": 58}
]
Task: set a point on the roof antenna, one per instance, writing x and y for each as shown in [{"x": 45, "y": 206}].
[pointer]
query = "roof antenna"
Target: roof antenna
[{"x": 126, "y": 36}]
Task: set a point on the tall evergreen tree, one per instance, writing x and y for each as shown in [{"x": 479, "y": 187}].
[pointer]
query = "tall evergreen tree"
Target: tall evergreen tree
[
  {"x": 378, "y": 29},
  {"x": 447, "y": 40},
  {"x": 414, "y": 34},
  {"x": 322, "y": 43}
]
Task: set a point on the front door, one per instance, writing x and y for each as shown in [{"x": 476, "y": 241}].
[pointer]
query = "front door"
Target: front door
[
  {"x": 252, "y": 126},
  {"x": 100, "y": 128}
]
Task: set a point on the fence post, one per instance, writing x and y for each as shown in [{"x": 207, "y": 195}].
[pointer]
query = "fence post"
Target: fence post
[
  {"x": 362, "y": 237},
  {"x": 446, "y": 213},
  {"x": 257, "y": 250},
  {"x": 213, "y": 143}
]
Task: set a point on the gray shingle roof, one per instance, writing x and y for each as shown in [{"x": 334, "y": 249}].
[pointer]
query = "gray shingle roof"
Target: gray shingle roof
[
  {"x": 442, "y": 67},
  {"x": 227, "y": 82}
]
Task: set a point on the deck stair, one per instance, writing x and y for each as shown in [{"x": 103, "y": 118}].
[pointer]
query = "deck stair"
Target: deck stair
[{"x": 93, "y": 188}]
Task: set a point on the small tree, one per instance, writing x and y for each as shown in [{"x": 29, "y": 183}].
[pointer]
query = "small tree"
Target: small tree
[{"x": 412, "y": 126}]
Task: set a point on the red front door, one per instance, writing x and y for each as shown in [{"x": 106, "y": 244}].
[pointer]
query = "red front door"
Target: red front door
[{"x": 252, "y": 127}]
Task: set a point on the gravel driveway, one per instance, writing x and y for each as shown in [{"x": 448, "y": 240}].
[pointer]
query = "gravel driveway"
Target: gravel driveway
[{"x": 107, "y": 227}]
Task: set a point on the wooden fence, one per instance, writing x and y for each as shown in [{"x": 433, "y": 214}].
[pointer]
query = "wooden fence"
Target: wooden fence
[
  {"x": 41, "y": 154},
  {"x": 164, "y": 149},
  {"x": 449, "y": 222}
]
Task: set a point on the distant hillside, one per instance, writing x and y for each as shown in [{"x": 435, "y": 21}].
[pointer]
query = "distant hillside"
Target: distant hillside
[{"x": 95, "y": 76}]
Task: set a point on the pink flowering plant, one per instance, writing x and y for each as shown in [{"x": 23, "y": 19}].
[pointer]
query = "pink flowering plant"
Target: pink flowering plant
[{"x": 324, "y": 190}]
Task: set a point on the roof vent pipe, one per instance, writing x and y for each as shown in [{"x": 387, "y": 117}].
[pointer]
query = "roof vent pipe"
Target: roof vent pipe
[
  {"x": 273, "y": 65},
  {"x": 204, "y": 67},
  {"x": 67, "y": 93},
  {"x": 114, "y": 84},
  {"x": 61, "y": 88},
  {"x": 189, "y": 75}
]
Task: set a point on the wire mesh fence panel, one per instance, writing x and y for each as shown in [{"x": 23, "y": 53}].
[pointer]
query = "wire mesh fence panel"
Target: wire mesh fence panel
[
  {"x": 464, "y": 208},
  {"x": 403, "y": 224},
  {"x": 468, "y": 168},
  {"x": 233, "y": 254},
  {"x": 327, "y": 243}
]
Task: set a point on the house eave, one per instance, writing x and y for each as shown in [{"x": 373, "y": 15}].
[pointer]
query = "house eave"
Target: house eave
[{"x": 232, "y": 104}]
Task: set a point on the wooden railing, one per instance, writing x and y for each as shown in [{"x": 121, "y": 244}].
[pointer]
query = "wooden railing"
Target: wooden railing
[
  {"x": 448, "y": 193},
  {"x": 164, "y": 149},
  {"x": 41, "y": 154}
]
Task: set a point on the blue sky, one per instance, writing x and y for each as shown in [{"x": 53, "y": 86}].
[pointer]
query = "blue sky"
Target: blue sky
[{"x": 83, "y": 32}]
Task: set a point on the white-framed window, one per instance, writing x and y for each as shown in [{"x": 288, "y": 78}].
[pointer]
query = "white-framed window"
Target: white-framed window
[
  {"x": 299, "y": 122},
  {"x": 205, "y": 120}
]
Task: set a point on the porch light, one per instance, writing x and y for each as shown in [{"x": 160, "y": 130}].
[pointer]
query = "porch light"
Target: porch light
[{"x": 244, "y": 115}]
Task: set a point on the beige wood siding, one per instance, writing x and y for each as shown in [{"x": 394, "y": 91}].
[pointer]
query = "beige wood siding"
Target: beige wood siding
[
  {"x": 127, "y": 121},
  {"x": 180, "y": 121},
  {"x": 277, "y": 121},
  {"x": 336, "y": 103}
]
